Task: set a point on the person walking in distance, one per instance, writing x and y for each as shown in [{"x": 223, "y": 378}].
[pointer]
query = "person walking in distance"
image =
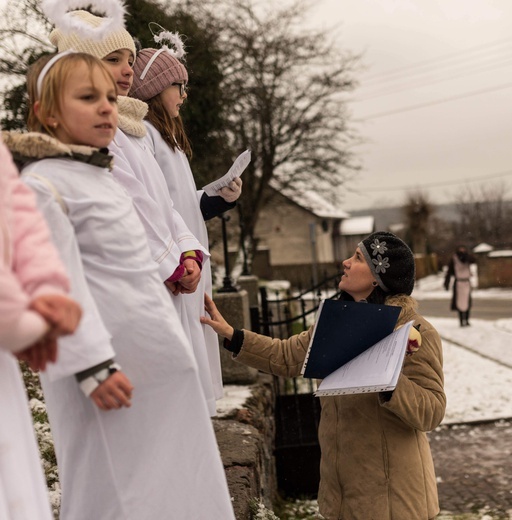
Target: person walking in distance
[{"x": 459, "y": 269}]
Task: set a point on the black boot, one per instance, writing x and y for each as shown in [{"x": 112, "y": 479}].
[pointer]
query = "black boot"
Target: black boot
[
  {"x": 461, "y": 319},
  {"x": 466, "y": 317}
]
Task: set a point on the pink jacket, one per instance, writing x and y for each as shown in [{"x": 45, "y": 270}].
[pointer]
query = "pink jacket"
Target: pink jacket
[{"x": 29, "y": 264}]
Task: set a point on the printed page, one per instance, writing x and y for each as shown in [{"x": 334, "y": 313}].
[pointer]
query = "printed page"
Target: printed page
[
  {"x": 240, "y": 164},
  {"x": 373, "y": 370}
]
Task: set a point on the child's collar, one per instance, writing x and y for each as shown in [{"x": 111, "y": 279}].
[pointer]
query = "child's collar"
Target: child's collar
[
  {"x": 131, "y": 116},
  {"x": 33, "y": 146},
  {"x": 98, "y": 157}
]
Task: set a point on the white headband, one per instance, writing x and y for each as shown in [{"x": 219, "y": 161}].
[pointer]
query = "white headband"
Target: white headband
[
  {"x": 150, "y": 62},
  {"x": 48, "y": 66}
]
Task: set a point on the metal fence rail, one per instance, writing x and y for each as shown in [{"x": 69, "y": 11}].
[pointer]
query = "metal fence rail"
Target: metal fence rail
[{"x": 297, "y": 410}]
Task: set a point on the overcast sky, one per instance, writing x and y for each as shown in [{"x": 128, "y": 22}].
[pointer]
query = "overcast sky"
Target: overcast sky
[{"x": 435, "y": 100}]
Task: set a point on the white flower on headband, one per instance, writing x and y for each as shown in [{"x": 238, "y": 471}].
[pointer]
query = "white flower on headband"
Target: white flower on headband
[
  {"x": 58, "y": 12},
  {"x": 173, "y": 38}
]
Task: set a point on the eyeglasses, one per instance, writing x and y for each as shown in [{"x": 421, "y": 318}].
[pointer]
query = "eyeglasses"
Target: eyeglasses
[{"x": 183, "y": 88}]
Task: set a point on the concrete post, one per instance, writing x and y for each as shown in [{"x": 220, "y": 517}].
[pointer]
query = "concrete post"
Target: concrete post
[
  {"x": 249, "y": 283},
  {"x": 235, "y": 308}
]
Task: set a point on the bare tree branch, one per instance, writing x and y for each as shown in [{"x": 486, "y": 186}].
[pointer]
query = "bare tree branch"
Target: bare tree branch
[
  {"x": 286, "y": 88},
  {"x": 485, "y": 215}
]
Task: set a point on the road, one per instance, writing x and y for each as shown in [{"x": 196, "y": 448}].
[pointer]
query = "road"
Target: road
[{"x": 485, "y": 309}]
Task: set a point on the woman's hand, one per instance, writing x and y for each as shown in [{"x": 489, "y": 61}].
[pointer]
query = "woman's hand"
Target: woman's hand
[{"x": 216, "y": 320}]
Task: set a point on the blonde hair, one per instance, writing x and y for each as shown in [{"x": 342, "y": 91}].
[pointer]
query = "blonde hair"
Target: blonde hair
[
  {"x": 171, "y": 129},
  {"x": 54, "y": 84}
]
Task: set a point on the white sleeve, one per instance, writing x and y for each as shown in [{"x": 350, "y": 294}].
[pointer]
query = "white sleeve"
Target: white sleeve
[
  {"x": 90, "y": 345},
  {"x": 184, "y": 238},
  {"x": 162, "y": 244}
]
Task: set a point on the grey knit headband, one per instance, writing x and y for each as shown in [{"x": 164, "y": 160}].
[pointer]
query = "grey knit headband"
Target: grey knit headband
[{"x": 376, "y": 262}]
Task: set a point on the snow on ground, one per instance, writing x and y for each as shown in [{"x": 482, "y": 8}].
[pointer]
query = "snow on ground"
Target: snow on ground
[
  {"x": 476, "y": 388},
  {"x": 234, "y": 398},
  {"x": 477, "y": 359},
  {"x": 432, "y": 287}
]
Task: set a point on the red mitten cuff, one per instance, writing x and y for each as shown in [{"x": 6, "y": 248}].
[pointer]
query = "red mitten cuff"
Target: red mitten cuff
[
  {"x": 177, "y": 275},
  {"x": 180, "y": 270},
  {"x": 194, "y": 255}
]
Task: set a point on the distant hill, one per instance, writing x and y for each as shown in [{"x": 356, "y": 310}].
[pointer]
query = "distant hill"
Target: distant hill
[{"x": 387, "y": 217}]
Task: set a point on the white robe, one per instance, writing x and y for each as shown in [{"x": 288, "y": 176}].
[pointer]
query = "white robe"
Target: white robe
[
  {"x": 23, "y": 494},
  {"x": 139, "y": 174},
  {"x": 137, "y": 170},
  {"x": 159, "y": 458},
  {"x": 182, "y": 190}
]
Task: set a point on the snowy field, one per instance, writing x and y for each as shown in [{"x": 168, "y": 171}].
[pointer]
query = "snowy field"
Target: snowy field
[{"x": 477, "y": 359}]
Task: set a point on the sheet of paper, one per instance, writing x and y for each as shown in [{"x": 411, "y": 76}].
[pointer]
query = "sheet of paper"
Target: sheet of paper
[
  {"x": 378, "y": 366},
  {"x": 240, "y": 164}
]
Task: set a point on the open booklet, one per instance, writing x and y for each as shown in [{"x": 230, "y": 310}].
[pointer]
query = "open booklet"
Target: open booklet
[
  {"x": 344, "y": 329},
  {"x": 240, "y": 164},
  {"x": 375, "y": 370}
]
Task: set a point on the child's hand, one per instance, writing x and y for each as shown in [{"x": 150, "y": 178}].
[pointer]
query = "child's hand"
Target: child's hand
[
  {"x": 216, "y": 320},
  {"x": 61, "y": 312},
  {"x": 173, "y": 287},
  {"x": 232, "y": 191},
  {"x": 190, "y": 279},
  {"x": 113, "y": 393},
  {"x": 38, "y": 355}
]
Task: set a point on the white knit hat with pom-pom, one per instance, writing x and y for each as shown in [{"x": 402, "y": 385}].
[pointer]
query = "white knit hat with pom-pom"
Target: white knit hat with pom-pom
[{"x": 113, "y": 41}]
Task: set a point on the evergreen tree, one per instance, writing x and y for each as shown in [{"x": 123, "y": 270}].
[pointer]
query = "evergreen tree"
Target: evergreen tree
[{"x": 202, "y": 112}]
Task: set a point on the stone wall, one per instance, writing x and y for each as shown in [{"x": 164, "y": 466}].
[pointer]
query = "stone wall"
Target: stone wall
[
  {"x": 246, "y": 441},
  {"x": 245, "y": 431}
]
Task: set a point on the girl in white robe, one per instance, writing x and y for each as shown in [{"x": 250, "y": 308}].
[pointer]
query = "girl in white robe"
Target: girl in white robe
[
  {"x": 31, "y": 277},
  {"x": 173, "y": 243},
  {"x": 160, "y": 79},
  {"x": 153, "y": 455}
]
